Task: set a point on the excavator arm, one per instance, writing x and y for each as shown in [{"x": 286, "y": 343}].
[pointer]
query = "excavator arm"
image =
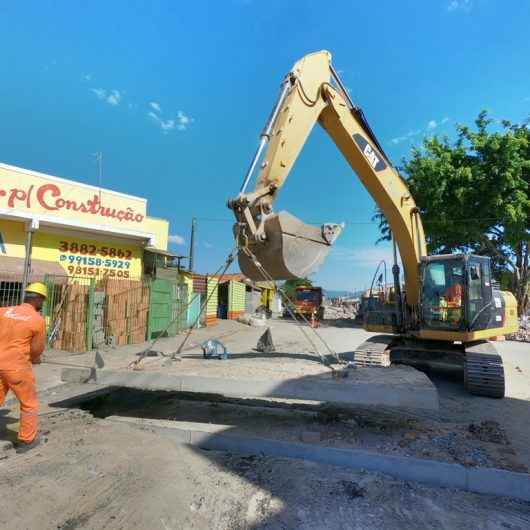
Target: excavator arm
[{"x": 282, "y": 245}]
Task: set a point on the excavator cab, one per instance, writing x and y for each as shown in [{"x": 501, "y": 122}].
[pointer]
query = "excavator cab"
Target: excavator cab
[{"x": 457, "y": 294}]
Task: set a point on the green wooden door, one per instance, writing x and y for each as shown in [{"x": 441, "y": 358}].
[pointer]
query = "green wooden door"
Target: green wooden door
[
  {"x": 167, "y": 307},
  {"x": 179, "y": 306},
  {"x": 159, "y": 307}
]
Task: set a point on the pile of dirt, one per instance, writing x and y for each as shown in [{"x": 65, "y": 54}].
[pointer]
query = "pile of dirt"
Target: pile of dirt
[
  {"x": 523, "y": 334},
  {"x": 489, "y": 431},
  {"x": 485, "y": 444},
  {"x": 339, "y": 312}
]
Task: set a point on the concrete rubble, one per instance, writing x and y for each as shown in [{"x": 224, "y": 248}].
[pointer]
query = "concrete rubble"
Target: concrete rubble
[
  {"x": 523, "y": 334},
  {"x": 343, "y": 310}
]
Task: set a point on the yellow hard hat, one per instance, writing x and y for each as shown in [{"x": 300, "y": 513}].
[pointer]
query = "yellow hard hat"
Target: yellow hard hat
[{"x": 37, "y": 288}]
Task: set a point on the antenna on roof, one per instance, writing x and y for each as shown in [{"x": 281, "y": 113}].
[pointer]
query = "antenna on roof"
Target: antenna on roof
[{"x": 99, "y": 161}]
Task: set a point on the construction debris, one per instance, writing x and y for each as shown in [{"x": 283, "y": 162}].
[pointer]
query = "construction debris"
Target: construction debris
[
  {"x": 489, "y": 431},
  {"x": 214, "y": 349},
  {"x": 523, "y": 334},
  {"x": 342, "y": 310},
  {"x": 265, "y": 344},
  {"x": 256, "y": 320}
]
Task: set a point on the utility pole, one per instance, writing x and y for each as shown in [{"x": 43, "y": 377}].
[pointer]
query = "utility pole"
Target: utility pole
[
  {"x": 99, "y": 162},
  {"x": 179, "y": 259},
  {"x": 192, "y": 243}
]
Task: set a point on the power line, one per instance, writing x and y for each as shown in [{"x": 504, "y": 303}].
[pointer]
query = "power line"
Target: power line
[{"x": 352, "y": 222}]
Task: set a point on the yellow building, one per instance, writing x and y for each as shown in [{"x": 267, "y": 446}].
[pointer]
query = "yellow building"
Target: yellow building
[{"x": 72, "y": 229}]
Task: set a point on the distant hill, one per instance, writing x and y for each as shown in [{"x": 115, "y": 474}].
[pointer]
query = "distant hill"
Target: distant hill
[{"x": 338, "y": 294}]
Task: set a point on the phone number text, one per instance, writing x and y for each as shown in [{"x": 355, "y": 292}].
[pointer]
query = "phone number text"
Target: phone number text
[
  {"x": 92, "y": 250},
  {"x": 97, "y": 271},
  {"x": 98, "y": 262}
]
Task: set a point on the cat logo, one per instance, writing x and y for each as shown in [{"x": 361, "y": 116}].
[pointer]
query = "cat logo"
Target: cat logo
[
  {"x": 373, "y": 157},
  {"x": 370, "y": 155}
]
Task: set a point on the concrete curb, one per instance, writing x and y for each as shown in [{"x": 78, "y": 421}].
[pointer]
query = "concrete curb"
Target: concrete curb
[
  {"x": 364, "y": 393},
  {"x": 489, "y": 481}
]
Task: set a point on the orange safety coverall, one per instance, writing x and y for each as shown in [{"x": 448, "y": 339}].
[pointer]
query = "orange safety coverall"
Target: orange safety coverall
[
  {"x": 22, "y": 340},
  {"x": 453, "y": 294}
]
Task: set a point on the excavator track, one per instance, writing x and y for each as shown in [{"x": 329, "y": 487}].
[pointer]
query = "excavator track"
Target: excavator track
[
  {"x": 483, "y": 370},
  {"x": 373, "y": 352}
]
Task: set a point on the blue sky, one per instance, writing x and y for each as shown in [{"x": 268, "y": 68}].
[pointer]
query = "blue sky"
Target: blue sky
[{"x": 175, "y": 94}]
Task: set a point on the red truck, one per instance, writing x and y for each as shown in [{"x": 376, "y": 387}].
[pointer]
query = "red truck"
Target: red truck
[{"x": 308, "y": 302}]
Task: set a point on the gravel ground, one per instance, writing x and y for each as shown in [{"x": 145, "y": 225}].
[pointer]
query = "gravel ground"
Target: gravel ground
[
  {"x": 93, "y": 474},
  {"x": 471, "y": 444}
]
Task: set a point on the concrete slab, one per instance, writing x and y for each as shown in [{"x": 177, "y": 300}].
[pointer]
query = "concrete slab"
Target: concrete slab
[
  {"x": 399, "y": 387},
  {"x": 432, "y": 472}
]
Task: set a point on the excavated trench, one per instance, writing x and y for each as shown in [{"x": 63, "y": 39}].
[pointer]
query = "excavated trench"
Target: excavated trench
[{"x": 378, "y": 431}]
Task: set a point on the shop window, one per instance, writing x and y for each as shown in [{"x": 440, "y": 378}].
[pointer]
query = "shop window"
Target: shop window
[{"x": 10, "y": 293}]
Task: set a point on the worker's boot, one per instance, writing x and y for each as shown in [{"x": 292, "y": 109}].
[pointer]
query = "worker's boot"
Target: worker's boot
[{"x": 22, "y": 447}]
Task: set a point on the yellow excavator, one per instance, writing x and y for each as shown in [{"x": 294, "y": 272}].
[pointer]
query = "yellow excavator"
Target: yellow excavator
[{"x": 448, "y": 308}]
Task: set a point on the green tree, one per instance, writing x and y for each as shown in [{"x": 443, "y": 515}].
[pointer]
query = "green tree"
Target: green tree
[
  {"x": 289, "y": 286},
  {"x": 474, "y": 195}
]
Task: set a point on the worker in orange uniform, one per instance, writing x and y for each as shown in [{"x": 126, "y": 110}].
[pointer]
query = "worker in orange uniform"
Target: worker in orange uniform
[
  {"x": 453, "y": 294},
  {"x": 22, "y": 340},
  {"x": 453, "y": 299}
]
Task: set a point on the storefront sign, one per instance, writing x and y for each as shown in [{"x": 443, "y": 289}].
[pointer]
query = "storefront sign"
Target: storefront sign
[
  {"x": 13, "y": 238},
  {"x": 87, "y": 258},
  {"x": 98, "y": 260},
  {"x": 36, "y": 193},
  {"x": 76, "y": 256}
]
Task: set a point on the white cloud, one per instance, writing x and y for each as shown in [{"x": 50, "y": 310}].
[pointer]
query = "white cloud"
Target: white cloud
[
  {"x": 408, "y": 136},
  {"x": 527, "y": 98},
  {"x": 87, "y": 77},
  {"x": 112, "y": 97},
  {"x": 431, "y": 125},
  {"x": 176, "y": 239},
  {"x": 100, "y": 92},
  {"x": 207, "y": 245},
  {"x": 183, "y": 120},
  {"x": 180, "y": 123},
  {"x": 459, "y": 5},
  {"x": 155, "y": 106},
  {"x": 165, "y": 125}
]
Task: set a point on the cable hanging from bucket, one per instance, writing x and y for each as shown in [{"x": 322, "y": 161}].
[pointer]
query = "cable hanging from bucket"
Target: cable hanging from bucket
[
  {"x": 289, "y": 305},
  {"x": 224, "y": 267}
]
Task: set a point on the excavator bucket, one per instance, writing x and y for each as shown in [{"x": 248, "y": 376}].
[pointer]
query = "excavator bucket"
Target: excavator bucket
[{"x": 292, "y": 249}]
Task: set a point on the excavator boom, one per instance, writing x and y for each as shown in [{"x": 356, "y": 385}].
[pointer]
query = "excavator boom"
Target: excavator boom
[
  {"x": 448, "y": 297},
  {"x": 281, "y": 244}
]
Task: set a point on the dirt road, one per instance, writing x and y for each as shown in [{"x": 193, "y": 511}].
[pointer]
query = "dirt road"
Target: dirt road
[
  {"x": 96, "y": 474},
  {"x": 93, "y": 474}
]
